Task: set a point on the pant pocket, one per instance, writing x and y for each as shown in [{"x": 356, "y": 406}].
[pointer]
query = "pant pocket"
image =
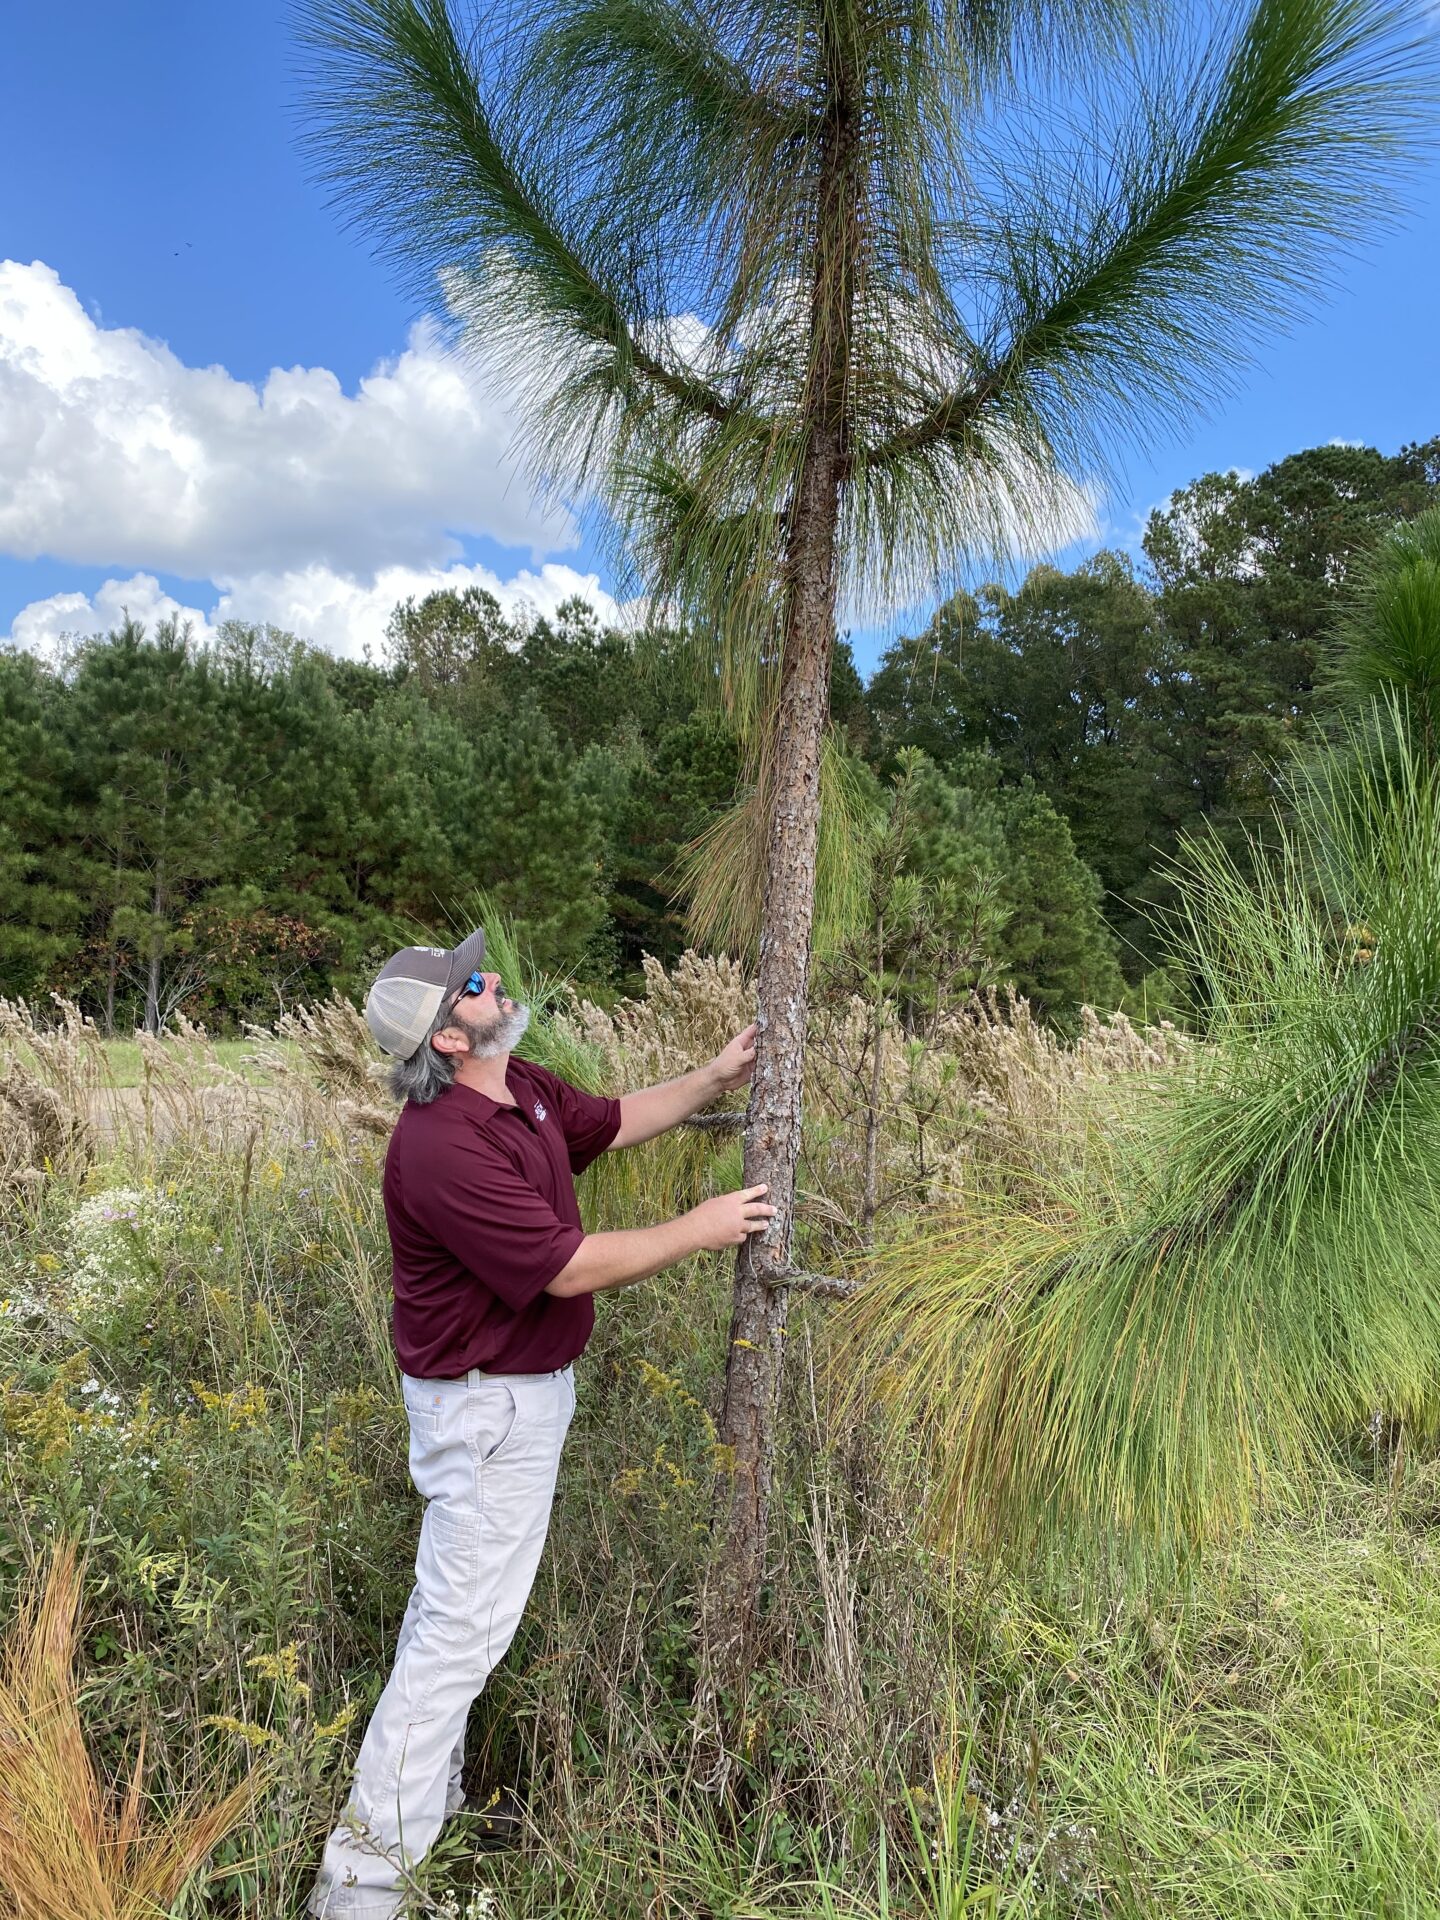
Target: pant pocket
[
  {"x": 495, "y": 1417},
  {"x": 424, "y": 1406},
  {"x": 447, "y": 1572}
]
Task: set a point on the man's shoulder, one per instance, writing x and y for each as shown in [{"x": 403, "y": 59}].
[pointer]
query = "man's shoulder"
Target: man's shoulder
[
  {"x": 541, "y": 1079},
  {"x": 425, "y": 1127},
  {"x": 437, "y": 1145}
]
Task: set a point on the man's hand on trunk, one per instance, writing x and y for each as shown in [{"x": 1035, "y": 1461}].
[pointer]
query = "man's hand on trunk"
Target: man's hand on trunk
[
  {"x": 730, "y": 1218},
  {"x": 734, "y": 1064}
]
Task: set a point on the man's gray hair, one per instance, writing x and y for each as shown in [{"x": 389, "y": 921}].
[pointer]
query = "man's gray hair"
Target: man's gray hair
[{"x": 426, "y": 1074}]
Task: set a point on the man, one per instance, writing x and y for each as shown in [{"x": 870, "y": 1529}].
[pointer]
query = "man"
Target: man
[{"x": 494, "y": 1282}]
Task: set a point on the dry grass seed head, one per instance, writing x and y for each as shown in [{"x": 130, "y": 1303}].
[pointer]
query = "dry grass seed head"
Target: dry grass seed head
[{"x": 69, "y": 1845}]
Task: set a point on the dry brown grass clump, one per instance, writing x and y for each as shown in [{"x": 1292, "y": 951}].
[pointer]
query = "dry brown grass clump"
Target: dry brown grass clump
[
  {"x": 683, "y": 1019},
  {"x": 71, "y": 1847},
  {"x": 1034, "y": 1094},
  {"x": 983, "y": 1092},
  {"x": 322, "y": 1062},
  {"x": 986, "y": 1095},
  {"x": 48, "y": 1079}
]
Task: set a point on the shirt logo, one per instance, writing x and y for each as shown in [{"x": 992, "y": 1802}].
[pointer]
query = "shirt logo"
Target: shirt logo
[{"x": 539, "y": 1111}]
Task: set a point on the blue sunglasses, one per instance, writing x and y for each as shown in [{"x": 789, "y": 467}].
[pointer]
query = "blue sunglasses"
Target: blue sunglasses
[{"x": 475, "y": 984}]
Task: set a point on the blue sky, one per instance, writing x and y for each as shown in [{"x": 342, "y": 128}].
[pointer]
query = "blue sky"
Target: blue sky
[{"x": 153, "y": 170}]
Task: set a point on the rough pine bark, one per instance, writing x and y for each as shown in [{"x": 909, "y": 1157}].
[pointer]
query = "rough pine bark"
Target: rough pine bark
[
  {"x": 772, "y": 1136},
  {"x": 748, "y": 1426}
]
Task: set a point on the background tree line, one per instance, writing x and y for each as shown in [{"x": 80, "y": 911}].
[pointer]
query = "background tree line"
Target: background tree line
[{"x": 226, "y": 829}]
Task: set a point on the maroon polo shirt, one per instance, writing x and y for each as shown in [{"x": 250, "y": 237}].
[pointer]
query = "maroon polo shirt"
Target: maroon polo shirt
[{"x": 480, "y": 1203}]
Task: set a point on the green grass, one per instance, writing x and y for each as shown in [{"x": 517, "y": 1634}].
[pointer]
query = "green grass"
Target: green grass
[
  {"x": 1261, "y": 1749},
  {"x": 123, "y": 1059}
]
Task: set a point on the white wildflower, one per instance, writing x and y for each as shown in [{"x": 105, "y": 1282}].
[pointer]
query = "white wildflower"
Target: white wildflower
[{"x": 112, "y": 1243}]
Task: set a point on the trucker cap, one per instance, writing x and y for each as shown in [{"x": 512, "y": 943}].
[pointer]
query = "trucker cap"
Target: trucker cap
[{"x": 411, "y": 988}]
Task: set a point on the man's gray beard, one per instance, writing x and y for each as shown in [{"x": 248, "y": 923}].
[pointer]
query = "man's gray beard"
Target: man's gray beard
[{"x": 506, "y": 1036}]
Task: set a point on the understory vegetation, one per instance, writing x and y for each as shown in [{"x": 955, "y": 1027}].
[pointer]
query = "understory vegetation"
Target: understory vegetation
[{"x": 197, "y": 1388}]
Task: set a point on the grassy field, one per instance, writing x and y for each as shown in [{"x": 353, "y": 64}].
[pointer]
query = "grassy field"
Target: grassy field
[
  {"x": 196, "y": 1385},
  {"x": 123, "y": 1059}
]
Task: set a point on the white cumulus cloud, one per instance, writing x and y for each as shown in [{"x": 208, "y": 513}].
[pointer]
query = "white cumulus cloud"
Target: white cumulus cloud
[
  {"x": 45, "y": 624},
  {"x": 114, "y": 452},
  {"x": 301, "y": 504},
  {"x": 343, "y": 615}
]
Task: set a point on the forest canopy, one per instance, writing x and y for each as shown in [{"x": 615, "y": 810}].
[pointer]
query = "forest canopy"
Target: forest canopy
[{"x": 225, "y": 830}]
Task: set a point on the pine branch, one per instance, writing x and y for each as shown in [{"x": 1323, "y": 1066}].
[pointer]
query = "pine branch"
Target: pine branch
[
  {"x": 828, "y": 1286},
  {"x": 409, "y": 144},
  {"x": 715, "y": 1123},
  {"x": 1123, "y": 292}
]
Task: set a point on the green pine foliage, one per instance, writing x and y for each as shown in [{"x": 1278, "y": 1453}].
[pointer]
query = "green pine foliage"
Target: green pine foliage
[
  {"x": 537, "y": 837},
  {"x": 1056, "y": 946},
  {"x": 1237, "y": 1274},
  {"x": 41, "y": 862},
  {"x": 1008, "y": 846},
  {"x": 160, "y": 817},
  {"x": 1388, "y": 647}
]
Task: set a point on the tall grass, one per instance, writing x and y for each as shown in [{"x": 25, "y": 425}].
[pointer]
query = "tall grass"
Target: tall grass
[{"x": 195, "y": 1382}]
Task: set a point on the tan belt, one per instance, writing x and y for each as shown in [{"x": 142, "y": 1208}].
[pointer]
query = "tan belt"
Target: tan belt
[{"x": 477, "y": 1374}]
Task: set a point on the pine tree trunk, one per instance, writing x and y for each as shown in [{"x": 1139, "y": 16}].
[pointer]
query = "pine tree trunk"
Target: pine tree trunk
[
  {"x": 152, "y": 974},
  {"x": 111, "y": 967},
  {"x": 749, "y": 1420},
  {"x": 112, "y": 963},
  {"x": 772, "y": 1137}
]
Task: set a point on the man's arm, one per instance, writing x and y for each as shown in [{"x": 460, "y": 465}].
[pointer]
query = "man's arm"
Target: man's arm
[
  {"x": 656, "y": 1109},
  {"x": 605, "y": 1260}
]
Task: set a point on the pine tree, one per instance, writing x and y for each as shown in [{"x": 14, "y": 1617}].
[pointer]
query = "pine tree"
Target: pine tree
[
  {"x": 670, "y": 792},
  {"x": 162, "y": 821},
  {"x": 1056, "y": 945},
  {"x": 42, "y": 869},
  {"x": 538, "y": 847},
  {"x": 1009, "y": 860},
  {"x": 817, "y": 297}
]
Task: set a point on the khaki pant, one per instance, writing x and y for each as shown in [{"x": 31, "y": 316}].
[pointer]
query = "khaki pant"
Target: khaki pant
[{"x": 484, "y": 1452}]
